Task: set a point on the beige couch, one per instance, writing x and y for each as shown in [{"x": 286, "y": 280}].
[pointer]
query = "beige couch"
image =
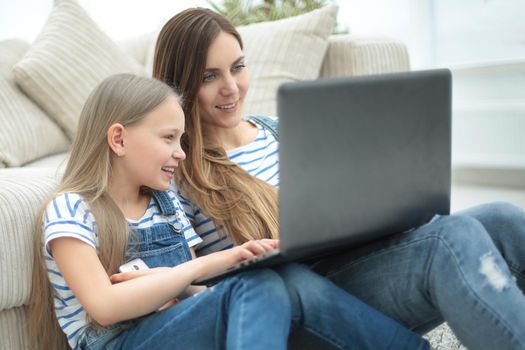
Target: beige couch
[{"x": 43, "y": 86}]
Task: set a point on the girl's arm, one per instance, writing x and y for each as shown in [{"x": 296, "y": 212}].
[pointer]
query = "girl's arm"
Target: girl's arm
[
  {"x": 190, "y": 290},
  {"x": 268, "y": 244},
  {"x": 128, "y": 275},
  {"x": 109, "y": 303}
]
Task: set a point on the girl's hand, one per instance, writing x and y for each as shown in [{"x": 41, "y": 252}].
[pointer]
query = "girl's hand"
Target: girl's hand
[
  {"x": 273, "y": 243},
  {"x": 217, "y": 261},
  {"x": 261, "y": 246}
]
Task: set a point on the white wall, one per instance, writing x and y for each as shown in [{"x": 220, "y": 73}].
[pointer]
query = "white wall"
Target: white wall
[
  {"x": 437, "y": 32},
  {"x": 118, "y": 18},
  {"x": 483, "y": 43}
]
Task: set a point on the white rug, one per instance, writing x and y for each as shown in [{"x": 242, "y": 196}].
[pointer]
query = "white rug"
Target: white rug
[{"x": 442, "y": 338}]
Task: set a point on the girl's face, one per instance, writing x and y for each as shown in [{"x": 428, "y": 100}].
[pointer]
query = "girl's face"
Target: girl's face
[
  {"x": 152, "y": 146},
  {"x": 224, "y": 84}
]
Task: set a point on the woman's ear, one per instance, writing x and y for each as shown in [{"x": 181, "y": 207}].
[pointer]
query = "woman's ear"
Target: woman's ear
[{"x": 115, "y": 137}]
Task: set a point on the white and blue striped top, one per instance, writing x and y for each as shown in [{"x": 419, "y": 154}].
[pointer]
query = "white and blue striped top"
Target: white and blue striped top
[
  {"x": 68, "y": 215},
  {"x": 260, "y": 159}
]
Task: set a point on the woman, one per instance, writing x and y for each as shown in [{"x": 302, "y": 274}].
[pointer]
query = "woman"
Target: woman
[{"x": 466, "y": 269}]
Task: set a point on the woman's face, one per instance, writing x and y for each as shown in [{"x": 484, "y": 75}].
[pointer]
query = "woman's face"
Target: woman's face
[{"x": 224, "y": 84}]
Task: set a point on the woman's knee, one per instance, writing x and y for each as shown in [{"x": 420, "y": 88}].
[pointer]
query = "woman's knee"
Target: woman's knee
[
  {"x": 504, "y": 222},
  {"x": 457, "y": 229},
  {"x": 505, "y": 209},
  {"x": 496, "y": 213},
  {"x": 459, "y": 235}
]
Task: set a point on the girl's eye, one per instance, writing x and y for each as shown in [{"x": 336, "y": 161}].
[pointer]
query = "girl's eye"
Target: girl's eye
[
  {"x": 169, "y": 137},
  {"x": 208, "y": 77},
  {"x": 239, "y": 67}
]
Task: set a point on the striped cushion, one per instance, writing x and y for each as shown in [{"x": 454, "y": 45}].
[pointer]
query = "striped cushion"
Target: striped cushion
[
  {"x": 285, "y": 50},
  {"x": 70, "y": 56},
  {"x": 27, "y": 133},
  {"x": 22, "y": 193},
  {"x": 349, "y": 55}
]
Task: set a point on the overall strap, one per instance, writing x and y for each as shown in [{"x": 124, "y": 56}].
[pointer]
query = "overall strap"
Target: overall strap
[
  {"x": 268, "y": 123},
  {"x": 164, "y": 202}
]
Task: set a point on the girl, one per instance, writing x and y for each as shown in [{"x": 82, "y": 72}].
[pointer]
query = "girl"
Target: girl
[
  {"x": 114, "y": 205},
  {"x": 467, "y": 269}
]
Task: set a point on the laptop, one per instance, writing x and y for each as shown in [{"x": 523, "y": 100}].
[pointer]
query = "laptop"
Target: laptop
[{"x": 360, "y": 158}]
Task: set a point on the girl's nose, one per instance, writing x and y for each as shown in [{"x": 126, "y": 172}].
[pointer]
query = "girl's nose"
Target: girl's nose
[{"x": 179, "y": 154}]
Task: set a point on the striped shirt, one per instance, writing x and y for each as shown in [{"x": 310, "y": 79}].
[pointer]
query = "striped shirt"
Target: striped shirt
[
  {"x": 260, "y": 159},
  {"x": 68, "y": 215}
]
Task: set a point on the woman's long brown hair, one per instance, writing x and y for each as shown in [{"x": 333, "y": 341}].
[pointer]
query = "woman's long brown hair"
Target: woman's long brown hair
[{"x": 239, "y": 204}]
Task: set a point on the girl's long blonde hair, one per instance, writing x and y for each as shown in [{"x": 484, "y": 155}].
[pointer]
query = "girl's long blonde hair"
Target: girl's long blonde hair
[
  {"x": 124, "y": 99},
  {"x": 246, "y": 207}
]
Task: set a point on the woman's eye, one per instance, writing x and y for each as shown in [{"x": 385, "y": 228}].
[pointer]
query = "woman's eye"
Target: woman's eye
[
  {"x": 239, "y": 67},
  {"x": 169, "y": 137},
  {"x": 208, "y": 77}
]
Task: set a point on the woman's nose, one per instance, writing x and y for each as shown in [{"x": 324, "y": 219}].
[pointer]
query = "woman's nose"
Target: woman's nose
[{"x": 230, "y": 86}]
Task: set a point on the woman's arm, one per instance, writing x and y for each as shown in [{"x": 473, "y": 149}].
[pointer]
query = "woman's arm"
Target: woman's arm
[{"x": 109, "y": 303}]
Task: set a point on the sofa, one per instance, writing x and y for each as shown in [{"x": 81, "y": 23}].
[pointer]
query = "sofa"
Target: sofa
[{"x": 43, "y": 85}]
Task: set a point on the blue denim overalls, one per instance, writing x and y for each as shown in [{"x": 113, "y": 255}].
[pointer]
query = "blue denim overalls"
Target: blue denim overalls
[{"x": 162, "y": 244}]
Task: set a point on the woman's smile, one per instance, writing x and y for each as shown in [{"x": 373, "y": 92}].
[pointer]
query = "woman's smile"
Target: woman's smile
[{"x": 229, "y": 108}]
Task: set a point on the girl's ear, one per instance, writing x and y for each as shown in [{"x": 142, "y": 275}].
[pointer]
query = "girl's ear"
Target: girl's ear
[{"x": 115, "y": 137}]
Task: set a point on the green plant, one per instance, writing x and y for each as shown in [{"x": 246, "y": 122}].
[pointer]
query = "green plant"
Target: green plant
[{"x": 242, "y": 12}]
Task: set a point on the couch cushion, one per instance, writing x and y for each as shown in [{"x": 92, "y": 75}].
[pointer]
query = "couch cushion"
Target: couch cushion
[
  {"x": 70, "y": 56},
  {"x": 13, "y": 329},
  {"x": 138, "y": 47},
  {"x": 26, "y": 132},
  {"x": 285, "y": 50},
  {"x": 22, "y": 193},
  {"x": 349, "y": 55},
  {"x": 57, "y": 161}
]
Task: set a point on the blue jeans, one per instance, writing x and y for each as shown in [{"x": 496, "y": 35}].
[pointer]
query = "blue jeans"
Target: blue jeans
[
  {"x": 338, "y": 318},
  {"x": 467, "y": 269},
  {"x": 238, "y": 313},
  {"x": 256, "y": 310}
]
